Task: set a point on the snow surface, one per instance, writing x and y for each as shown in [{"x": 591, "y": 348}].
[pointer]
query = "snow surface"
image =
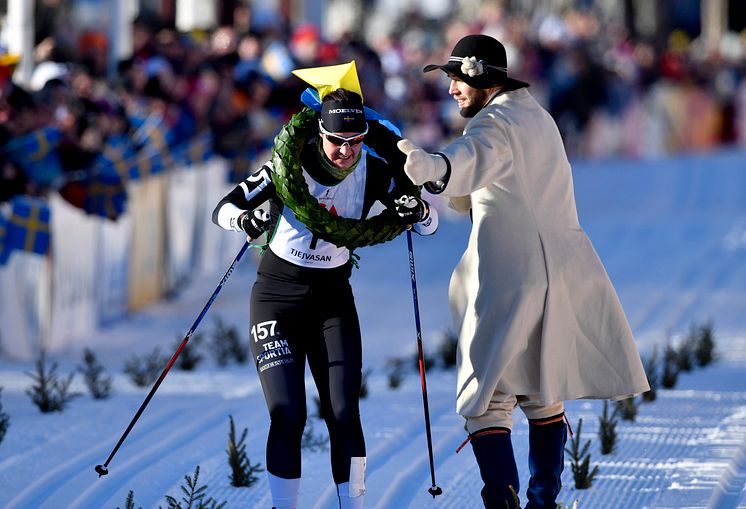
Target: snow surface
[{"x": 672, "y": 234}]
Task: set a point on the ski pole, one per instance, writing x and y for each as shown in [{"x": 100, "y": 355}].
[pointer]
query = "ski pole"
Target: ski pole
[
  {"x": 434, "y": 489},
  {"x": 102, "y": 469}
]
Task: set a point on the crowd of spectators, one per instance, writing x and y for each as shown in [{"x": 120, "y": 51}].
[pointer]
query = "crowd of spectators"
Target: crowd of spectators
[{"x": 611, "y": 94}]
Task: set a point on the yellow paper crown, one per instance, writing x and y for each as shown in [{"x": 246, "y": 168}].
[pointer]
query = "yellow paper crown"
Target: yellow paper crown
[
  {"x": 331, "y": 77},
  {"x": 7, "y": 59}
]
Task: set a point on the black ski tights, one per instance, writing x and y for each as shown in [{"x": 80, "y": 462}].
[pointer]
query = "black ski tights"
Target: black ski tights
[{"x": 292, "y": 321}]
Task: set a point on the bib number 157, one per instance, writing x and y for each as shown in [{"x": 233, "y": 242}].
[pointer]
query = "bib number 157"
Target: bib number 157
[{"x": 263, "y": 330}]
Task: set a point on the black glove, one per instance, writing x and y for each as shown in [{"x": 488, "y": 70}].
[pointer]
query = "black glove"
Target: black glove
[
  {"x": 411, "y": 209},
  {"x": 254, "y": 223}
]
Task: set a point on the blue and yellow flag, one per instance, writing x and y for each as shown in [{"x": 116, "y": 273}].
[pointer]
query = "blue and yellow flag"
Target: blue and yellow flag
[
  {"x": 151, "y": 130},
  {"x": 28, "y": 227},
  {"x": 195, "y": 150},
  {"x": 103, "y": 188},
  {"x": 100, "y": 194},
  {"x": 116, "y": 157},
  {"x": 105, "y": 195},
  {"x": 153, "y": 140},
  {"x": 36, "y": 153},
  {"x": 149, "y": 161}
]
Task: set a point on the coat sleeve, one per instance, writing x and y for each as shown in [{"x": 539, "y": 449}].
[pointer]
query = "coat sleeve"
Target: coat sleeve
[
  {"x": 248, "y": 195},
  {"x": 481, "y": 156},
  {"x": 393, "y": 185}
]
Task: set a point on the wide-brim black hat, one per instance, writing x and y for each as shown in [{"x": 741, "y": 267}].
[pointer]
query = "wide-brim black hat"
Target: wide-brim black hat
[{"x": 479, "y": 61}]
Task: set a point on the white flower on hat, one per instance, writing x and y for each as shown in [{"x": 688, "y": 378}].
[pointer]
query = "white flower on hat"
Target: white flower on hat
[{"x": 471, "y": 66}]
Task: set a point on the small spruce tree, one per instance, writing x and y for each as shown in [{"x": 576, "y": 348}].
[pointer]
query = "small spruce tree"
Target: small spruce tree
[
  {"x": 652, "y": 369},
  {"x": 448, "y": 348},
  {"x": 685, "y": 351},
  {"x": 49, "y": 392},
  {"x": 313, "y": 442},
  {"x": 395, "y": 367},
  {"x": 194, "y": 496},
  {"x": 670, "y": 367},
  {"x": 627, "y": 409},
  {"x": 145, "y": 370},
  {"x": 242, "y": 471},
  {"x": 364, "y": 383},
  {"x": 427, "y": 362},
  {"x": 607, "y": 430},
  {"x": 704, "y": 351},
  {"x": 581, "y": 461},
  {"x": 98, "y": 384},
  {"x": 4, "y": 420},
  {"x": 516, "y": 500},
  {"x": 189, "y": 357},
  {"x": 226, "y": 344},
  {"x": 129, "y": 502},
  {"x": 319, "y": 409}
]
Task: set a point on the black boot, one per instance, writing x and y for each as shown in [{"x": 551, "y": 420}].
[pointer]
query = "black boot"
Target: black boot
[
  {"x": 494, "y": 453},
  {"x": 546, "y": 460}
]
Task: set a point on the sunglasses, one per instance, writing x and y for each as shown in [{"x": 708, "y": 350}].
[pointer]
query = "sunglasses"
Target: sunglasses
[{"x": 341, "y": 140}]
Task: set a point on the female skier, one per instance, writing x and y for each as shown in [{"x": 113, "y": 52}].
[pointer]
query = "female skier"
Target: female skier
[{"x": 302, "y": 307}]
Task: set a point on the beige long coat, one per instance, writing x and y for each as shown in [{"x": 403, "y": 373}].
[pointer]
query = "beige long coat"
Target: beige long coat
[{"x": 535, "y": 310}]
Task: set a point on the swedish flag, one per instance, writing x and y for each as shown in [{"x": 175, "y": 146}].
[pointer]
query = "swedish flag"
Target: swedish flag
[
  {"x": 36, "y": 153},
  {"x": 199, "y": 149},
  {"x": 116, "y": 157},
  {"x": 194, "y": 150},
  {"x": 105, "y": 195},
  {"x": 159, "y": 136},
  {"x": 148, "y": 162},
  {"x": 28, "y": 227},
  {"x": 152, "y": 130}
]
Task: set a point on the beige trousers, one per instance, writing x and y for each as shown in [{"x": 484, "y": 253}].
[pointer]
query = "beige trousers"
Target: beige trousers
[{"x": 500, "y": 411}]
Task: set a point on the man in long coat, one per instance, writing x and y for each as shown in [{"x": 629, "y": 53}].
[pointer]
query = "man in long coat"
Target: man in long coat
[{"x": 538, "y": 319}]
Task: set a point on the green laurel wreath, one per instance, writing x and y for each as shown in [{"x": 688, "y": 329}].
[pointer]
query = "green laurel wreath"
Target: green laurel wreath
[{"x": 293, "y": 190}]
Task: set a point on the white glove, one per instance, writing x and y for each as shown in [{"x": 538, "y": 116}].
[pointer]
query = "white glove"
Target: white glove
[{"x": 422, "y": 167}]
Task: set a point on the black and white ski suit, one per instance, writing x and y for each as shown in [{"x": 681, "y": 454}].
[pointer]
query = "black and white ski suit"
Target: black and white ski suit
[{"x": 302, "y": 307}]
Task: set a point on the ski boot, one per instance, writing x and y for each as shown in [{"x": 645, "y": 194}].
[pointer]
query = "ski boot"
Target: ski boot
[
  {"x": 493, "y": 451},
  {"x": 546, "y": 460}
]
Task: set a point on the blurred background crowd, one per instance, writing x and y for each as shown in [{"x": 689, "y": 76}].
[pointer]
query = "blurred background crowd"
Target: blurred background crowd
[
  {"x": 623, "y": 78},
  {"x": 122, "y": 122}
]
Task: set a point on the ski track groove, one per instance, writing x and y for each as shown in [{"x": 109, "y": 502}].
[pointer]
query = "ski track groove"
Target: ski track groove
[
  {"x": 718, "y": 268},
  {"x": 53, "y": 483},
  {"x": 450, "y": 435},
  {"x": 720, "y": 481},
  {"x": 59, "y": 475},
  {"x": 718, "y": 273},
  {"x": 155, "y": 420},
  {"x": 377, "y": 458},
  {"x": 656, "y": 309},
  {"x": 215, "y": 472},
  {"x": 179, "y": 436},
  {"x": 669, "y": 456},
  {"x": 731, "y": 486}
]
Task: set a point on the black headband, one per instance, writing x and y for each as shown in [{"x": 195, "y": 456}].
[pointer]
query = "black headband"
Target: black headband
[{"x": 343, "y": 116}]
